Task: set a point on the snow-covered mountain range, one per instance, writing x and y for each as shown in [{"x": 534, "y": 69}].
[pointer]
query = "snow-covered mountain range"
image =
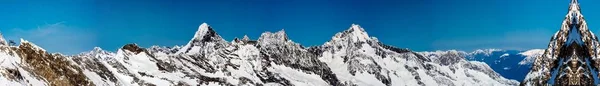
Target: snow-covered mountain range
[
  {"x": 351, "y": 57},
  {"x": 511, "y": 64}
]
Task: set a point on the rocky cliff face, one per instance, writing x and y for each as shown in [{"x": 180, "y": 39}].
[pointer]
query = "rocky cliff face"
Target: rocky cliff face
[
  {"x": 350, "y": 58},
  {"x": 571, "y": 57}
]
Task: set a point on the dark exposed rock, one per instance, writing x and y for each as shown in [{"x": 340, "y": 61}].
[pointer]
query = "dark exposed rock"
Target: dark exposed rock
[
  {"x": 133, "y": 48},
  {"x": 54, "y": 68},
  {"x": 571, "y": 58},
  {"x": 13, "y": 74}
]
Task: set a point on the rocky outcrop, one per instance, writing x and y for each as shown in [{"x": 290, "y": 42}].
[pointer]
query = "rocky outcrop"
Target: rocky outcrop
[
  {"x": 350, "y": 58},
  {"x": 571, "y": 57}
]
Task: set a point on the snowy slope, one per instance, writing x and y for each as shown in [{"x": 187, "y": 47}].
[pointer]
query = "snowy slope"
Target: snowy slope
[
  {"x": 507, "y": 63},
  {"x": 531, "y": 55},
  {"x": 351, "y": 57},
  {"x": 13, "y": 72},
  {"x": 358, "y": 59}
]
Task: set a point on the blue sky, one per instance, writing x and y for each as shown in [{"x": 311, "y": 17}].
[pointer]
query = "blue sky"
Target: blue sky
[{"x": 73, "y": 26}]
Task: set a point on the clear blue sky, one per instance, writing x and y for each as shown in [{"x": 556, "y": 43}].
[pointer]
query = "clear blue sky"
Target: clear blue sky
[{"x": 73, "y": 26}]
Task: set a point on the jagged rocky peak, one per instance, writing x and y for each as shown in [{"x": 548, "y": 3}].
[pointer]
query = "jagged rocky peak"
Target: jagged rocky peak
[
  {"x": 209, "y": 60},
  {"x": 446, "y": 57},
  {"x": 279, "y": 38},
  {"x": 97, "y": 49},
  {"x": 355, "y": 33},
  {"x": 205, "y": 37},
  {"x": 559, "y": 60},
  {"x": 279, "y": 35},
  {"x": 100, "y": 50},
  {"x": 205, "y": 33},
  {"x": 246, "y": 38},
  {"x": 356, "y": 29},
  {"x": 243, "y": 41},
  {"x": 96, "y": 52},
  {"x": 574, "y": 6}
]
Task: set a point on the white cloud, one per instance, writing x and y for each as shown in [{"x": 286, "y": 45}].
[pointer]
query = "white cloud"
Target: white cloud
[{"x": 57, "y": 37}]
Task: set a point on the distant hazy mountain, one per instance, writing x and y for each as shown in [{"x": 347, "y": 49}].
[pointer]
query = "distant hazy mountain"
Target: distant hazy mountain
[{"x": 511, "y": 64}]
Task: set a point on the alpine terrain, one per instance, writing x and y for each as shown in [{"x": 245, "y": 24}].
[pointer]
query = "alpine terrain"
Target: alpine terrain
[
  {"x": 350, "y": 58},
  {"x": 572, "y": 56},
  {"x": 511, "y": 64}
]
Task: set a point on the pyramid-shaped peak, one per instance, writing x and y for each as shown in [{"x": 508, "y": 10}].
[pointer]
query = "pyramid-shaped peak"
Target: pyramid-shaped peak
[
  {"x": 574, "y": 20},
  {"x": 574, "y": 36},
  {"x": 355, "y": 32},
  {"x": 203, "y": 30},
  {"x": 97, "y": 49},
  {"x": 203, "y": 25},
  {"x": 205, "y": 33},
  {"x": 574, "y": 6},
  {"x": 281, "y": 32},
  {"x": 246, "y": 38},
  {"x": 356, "y": 29},
  {"x": 205, "y": 36}
]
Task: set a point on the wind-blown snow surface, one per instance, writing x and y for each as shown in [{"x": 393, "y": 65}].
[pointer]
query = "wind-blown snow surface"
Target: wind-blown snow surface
[{"x": 350, "y": 58}]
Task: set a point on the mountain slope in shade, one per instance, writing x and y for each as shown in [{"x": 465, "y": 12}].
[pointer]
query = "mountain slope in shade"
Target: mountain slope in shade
[{"x": 351, "y": 57}]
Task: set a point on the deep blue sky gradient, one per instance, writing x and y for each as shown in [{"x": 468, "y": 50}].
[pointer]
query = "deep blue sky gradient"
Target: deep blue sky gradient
[{"x": 73, "y": 26}]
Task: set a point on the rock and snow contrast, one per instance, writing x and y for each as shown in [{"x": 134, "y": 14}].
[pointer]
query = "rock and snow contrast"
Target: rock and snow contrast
[
  {"x": 507, "y": 63},
  {"x": 571, "y": 58},
  {"x": 351, "y": 57}
]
